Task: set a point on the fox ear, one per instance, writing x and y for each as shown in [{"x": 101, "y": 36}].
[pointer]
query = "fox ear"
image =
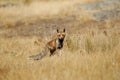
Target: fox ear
[
  {"x": 57, "y": 30},
  {"x": 64, "y": 30}
]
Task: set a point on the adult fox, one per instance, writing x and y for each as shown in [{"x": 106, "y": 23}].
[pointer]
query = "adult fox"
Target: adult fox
[{"x": 51, "y": 46}]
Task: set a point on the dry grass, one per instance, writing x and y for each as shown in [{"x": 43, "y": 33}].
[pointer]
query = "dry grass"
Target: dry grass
[
  {"x": 46, "y": 10},
  {"x": 90, "y": 53},
  {"x": 83, "y": 57},
  {"x": 38, "y": 10}
]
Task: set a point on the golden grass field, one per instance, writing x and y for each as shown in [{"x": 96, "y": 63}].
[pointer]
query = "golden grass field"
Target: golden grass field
[{"x": 91, "y": 49}]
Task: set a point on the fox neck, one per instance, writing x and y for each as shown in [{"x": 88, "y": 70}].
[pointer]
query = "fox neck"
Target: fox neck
[{"x": 59, "y": 43}]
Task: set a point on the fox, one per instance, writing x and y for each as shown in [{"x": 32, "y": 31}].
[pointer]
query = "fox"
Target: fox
[{"x": 51, "y": 46}]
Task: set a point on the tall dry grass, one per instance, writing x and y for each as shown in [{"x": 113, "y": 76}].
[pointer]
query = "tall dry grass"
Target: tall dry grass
[
  {"x": 94, "y": 40},
  {"x": 87, "y": 56}
]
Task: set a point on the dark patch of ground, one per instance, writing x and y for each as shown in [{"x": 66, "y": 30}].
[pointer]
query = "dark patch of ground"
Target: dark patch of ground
[
  {"x": 105, "y": 10},
  {"x": 9, "y": 4}
]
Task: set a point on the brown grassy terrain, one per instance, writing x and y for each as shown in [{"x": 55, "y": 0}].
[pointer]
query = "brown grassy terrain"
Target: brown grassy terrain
[{"x": 91, "y": 50}]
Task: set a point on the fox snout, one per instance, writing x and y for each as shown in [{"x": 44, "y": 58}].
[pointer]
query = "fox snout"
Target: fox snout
[{"x": 61, "y": 38}]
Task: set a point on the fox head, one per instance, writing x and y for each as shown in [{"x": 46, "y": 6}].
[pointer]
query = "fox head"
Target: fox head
[{"x": 61, "y": 35}]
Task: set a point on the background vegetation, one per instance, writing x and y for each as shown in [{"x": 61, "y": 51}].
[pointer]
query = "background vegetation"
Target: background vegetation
[{"x": 91, "y": 48}]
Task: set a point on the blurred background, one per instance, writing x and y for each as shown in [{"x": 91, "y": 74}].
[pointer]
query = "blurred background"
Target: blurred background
[{"x": 91, "y": 48}]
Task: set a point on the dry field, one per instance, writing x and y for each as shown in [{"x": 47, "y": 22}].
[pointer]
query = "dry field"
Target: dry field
[{"x": 91, "y": 50}]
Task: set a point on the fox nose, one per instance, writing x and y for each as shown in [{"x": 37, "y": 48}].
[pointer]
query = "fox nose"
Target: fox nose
[{"x": 61, "y": 38}]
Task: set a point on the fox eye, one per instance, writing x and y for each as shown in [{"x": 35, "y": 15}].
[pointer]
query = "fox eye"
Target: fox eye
[
  {"x": 59, "y": 35},
  {"x": 63, "y": 33}
]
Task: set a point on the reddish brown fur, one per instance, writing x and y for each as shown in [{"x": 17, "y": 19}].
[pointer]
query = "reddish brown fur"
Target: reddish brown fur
[{"x": 51, "y": 46}]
